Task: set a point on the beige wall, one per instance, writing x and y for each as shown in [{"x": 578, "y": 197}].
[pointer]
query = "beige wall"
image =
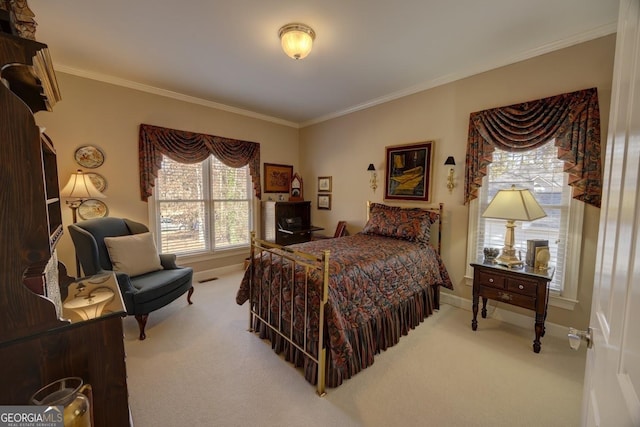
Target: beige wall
[
  {"x": 109, "y": 116},
  {"x": 344, "y": 147}
]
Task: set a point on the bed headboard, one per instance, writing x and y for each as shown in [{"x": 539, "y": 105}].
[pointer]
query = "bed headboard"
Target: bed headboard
[{"x": 437, "y": 209}]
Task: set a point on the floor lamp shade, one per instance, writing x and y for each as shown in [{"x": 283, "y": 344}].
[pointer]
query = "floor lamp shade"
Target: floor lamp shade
[
  {"x": 80, "y": 187},
  {"x": 513, "y": 205}
]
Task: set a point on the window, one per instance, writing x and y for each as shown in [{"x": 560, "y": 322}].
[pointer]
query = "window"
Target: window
[
  {"x": 203, "y": 207},
  {"x": 541, "y": 172}
]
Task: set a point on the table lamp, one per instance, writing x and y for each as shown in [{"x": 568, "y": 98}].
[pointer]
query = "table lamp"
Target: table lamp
[{"x": 513, "y": 205}]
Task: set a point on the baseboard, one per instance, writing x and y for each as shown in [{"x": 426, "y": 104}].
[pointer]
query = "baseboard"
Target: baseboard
[
  {"x": 506, "y": 316},
  {"x": 208, "y": 275}
]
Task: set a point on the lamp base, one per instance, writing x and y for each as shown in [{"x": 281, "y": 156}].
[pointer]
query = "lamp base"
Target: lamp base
[{"x": 508, "y": 259}]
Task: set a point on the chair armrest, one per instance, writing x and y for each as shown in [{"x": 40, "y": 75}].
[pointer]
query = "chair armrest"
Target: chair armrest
[
  {"x": 126, "y": 289},
  {"x": 168, "y": 261}
]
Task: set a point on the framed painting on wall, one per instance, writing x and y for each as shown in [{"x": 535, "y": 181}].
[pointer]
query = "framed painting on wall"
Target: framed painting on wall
[
  {"x": 324, "y": 201},
  {"x": 408, "y": 174},
  {"x": 324, "y": 184},
  {"x": 277, "y": 178}
]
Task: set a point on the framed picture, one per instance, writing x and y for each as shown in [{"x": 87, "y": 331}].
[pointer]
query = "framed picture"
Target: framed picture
[
  {"x": 408, "y": 175},
  {"x": 324, "y": 201},
  {"x": 92, "y": 208},
  {"x": 89, "y": 156},
  {"x": 324, "y": 184},
  {"x": 277, "y": 178},
  {"x": 97, "y": 180}
]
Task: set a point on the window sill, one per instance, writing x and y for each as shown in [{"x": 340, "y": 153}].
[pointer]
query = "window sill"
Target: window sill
[
  {"x": 555, "y": 300},
  {"x": 205, "y": 256},
  {"x": 562, "y": 302}
]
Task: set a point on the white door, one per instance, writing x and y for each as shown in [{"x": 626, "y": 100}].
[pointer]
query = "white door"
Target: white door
[{"x": 612, "y": 377}]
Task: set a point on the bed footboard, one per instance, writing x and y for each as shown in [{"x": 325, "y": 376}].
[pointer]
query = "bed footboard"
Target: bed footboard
[{"x": 288, "y": 270}]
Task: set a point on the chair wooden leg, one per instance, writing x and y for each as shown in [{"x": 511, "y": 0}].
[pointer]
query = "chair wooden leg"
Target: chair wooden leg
[
  {"x": 142, "y": 322},
  {"x": 189, "y": 295}
]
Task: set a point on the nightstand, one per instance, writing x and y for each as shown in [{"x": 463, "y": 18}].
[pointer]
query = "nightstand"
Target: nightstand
[{"x": 524, "y": 287}]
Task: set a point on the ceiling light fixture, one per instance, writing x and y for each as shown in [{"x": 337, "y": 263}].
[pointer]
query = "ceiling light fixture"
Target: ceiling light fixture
[{"x": 297, "y": 40}]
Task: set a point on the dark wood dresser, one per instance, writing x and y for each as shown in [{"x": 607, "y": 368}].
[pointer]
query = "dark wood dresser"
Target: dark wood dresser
[
  {"x": 37, "y": 344},
  {"x": 286, "y": 223},
  {"x": 524, "y": 287}
]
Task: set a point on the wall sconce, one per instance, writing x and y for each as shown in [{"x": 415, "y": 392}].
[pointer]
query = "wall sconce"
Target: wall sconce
[
  {"x": 451, "y": 162},
  {"x": 373, "y": 181}
]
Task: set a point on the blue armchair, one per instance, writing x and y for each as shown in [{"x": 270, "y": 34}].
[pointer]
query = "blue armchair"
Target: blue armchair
[{"x": 142, "y": 293}]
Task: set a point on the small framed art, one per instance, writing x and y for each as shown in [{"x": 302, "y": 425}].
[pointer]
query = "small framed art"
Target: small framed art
[
  {"x": 408, "y": 175},
  {"x": 324, "y": 201},
  {"x": 89, "y": 156},
  {"x": 324, "y": 184},
  {"x": 97, "y": 180},
  {"x": 277, "y": 178},
  {"x": 92, "y": 208}
]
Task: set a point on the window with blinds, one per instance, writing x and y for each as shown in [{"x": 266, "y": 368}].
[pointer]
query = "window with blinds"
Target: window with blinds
[
  {"x": 541, "y": 172},
  {"x": 202, "y": 207}
]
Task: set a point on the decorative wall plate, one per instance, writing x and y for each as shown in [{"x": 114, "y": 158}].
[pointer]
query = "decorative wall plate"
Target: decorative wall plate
[
  {"x": 89, "y": 156},
  {"x": 92, "y": 208},
  {"x": 97, "y": 180}
]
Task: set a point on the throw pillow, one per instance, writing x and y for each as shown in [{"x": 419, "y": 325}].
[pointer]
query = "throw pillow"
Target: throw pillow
[
  {"x": 412, "y": 224},
  {"x": 135, "y": 254}
]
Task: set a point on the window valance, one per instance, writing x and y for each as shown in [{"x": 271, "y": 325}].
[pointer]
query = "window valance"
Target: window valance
[
  {"x": 572, "y": 119},
  {"x": 191, "y": 147}
]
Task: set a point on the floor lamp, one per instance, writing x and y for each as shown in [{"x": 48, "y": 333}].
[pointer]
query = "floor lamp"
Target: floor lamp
[
  {"x": 78, "y": 189},
  {"x": 513, "y": 205}
]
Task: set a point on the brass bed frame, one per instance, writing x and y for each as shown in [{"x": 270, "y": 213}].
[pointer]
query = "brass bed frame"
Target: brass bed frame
[{"x": 309, "y": 262}]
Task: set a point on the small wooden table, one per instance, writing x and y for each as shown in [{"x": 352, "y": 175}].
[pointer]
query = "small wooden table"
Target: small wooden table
[{"x": 524, "y": 287}]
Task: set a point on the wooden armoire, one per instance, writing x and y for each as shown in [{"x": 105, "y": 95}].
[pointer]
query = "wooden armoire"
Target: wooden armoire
[{"x": 38, "y": 346}]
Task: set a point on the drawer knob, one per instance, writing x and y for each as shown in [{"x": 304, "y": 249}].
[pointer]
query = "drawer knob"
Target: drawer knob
[
  {"x": 490, "y": 280},
  {"x": 521, "y": 287}
]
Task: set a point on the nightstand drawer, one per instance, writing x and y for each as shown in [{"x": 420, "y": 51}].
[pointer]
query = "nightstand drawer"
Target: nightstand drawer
[
  {"x": 508, "y": 297},
  {"x": 522, "y": 286},
  {"x": 487, "y": 278}
]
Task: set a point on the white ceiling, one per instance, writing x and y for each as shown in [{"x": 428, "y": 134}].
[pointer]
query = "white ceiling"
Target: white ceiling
[{"x": 366, "y": 51}]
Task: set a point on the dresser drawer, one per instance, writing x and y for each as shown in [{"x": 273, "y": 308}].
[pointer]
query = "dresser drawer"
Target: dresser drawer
[
  {"x": 513, "y": 298},
  {"x": 488, "y": 278},
  {"x": 522, "y": 286}
]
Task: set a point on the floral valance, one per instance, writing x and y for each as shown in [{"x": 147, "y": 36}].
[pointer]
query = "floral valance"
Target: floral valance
[
  {"x": 191, "y": 147},
  {"x": 572, "y": 119}
]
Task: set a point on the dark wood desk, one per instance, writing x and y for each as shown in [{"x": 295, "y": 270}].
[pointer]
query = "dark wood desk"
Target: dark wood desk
[{"x": 524, "y": 287}]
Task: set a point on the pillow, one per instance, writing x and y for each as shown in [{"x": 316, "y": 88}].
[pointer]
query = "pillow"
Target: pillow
[
  {"x": 412, "y": 224},
  {"x": 135, "y": 254}
]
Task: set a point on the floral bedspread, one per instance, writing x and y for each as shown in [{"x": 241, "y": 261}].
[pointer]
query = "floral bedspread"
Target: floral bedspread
[{"x": 379, "y": 289}]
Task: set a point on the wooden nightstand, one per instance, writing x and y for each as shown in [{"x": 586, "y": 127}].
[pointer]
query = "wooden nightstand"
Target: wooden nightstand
[{"x": 524, "y": 287}]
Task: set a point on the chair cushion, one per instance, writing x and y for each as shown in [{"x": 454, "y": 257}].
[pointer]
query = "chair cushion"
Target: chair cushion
[
  {"x": 158, "y": 284},
  {"x": 135, "y": 254}
]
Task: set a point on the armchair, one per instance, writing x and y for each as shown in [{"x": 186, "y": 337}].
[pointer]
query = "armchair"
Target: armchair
[{"x": 142, "y": 291}]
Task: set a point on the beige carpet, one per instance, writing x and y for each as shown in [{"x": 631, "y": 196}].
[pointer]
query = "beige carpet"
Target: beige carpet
[{"x": 200, "y": 367}]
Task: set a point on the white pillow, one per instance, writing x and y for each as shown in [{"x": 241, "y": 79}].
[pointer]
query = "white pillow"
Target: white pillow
[{"x": 135, "y": 254}]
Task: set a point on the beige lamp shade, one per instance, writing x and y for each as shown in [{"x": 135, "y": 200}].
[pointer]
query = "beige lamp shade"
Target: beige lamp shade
[
  {"x": 514, "y": 204},
  {"x": 297, "y": 40},
  {"x": 80, "y": 187}
]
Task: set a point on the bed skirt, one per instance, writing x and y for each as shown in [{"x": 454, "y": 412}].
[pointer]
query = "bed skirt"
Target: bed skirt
[{"x": 382, "y": 331}]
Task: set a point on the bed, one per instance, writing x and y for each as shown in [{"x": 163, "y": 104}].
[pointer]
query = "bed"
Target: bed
[{"x": 366, "y": 290}]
